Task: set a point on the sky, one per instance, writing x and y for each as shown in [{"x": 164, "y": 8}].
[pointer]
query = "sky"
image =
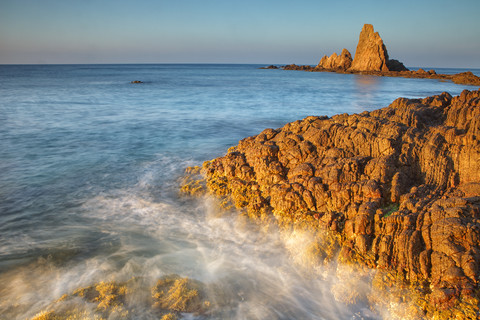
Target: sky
[{"x": 420, "y": 33}]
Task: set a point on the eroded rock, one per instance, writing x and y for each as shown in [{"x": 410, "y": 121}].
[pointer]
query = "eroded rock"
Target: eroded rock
[
  {"x": 371, "y": 53},
  {"x": 336, "y": 62},
  {"x": 400, "y": 186}
]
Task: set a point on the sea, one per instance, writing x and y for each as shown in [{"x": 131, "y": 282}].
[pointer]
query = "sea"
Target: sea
[{"x": 91, "y": 166}]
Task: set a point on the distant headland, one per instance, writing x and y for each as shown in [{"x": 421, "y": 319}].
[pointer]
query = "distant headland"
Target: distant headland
[{"x": 371, "y": 58}]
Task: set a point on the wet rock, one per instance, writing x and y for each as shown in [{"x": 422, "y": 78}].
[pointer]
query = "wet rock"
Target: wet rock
[
  {"x": 109, "y": 299},
  {"x": 178, "y": 294},
  {"x": 400, "y": 186},
  {"x": 172, "y": 297}
]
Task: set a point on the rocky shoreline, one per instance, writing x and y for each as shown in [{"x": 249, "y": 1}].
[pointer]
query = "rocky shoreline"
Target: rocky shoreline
[{"x": 396, "y": 190}]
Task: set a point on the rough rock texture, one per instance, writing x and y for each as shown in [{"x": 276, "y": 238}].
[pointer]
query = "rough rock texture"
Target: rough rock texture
[
  {"x": 335, "y": 62},
  {"x": 400, "y": 187},
  {"x": 371, "y": 53}
]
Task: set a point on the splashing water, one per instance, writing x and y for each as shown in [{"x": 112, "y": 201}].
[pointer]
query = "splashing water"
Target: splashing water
[{"x": 89, "y": 186}]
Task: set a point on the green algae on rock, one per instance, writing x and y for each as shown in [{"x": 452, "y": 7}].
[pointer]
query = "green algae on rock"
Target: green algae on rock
[{"x": 400, "y": 186}]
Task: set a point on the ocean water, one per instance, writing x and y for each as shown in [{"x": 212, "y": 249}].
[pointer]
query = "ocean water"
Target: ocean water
[{"x": 90, "y": 166}]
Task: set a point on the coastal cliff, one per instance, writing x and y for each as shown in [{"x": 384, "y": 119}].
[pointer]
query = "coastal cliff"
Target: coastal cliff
[{"x": 396, "y": 189}]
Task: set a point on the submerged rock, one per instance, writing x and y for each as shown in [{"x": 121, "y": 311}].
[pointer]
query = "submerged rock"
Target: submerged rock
[
  {"x": 171, "y": 298},
  {"x": 109, "y": 299},
  {"x": 399, "y": 186},
  {"x": 178, "y": 294}
]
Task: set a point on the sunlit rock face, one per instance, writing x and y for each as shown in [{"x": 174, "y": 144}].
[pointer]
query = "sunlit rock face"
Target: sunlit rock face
[
  {"x": 336, "y": 62},
  {"x": 371, "y": 53},
  {"x": 400, "y": 186}
]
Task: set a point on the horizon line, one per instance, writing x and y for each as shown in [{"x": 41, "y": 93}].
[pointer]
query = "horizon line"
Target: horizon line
[{"x": 196, "y": 63}]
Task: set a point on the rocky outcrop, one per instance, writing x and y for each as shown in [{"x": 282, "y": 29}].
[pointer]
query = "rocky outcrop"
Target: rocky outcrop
[
  {"x": 335, "y": 62},
  {"x": 270, "y": 67},
  {"x": 465, "y": 78},
  {"x": 372, "y": 55},
  {"x": 399, "y": 187},
  {"x": 371, "y": 58},
  {"x": 297, "y": 67}
]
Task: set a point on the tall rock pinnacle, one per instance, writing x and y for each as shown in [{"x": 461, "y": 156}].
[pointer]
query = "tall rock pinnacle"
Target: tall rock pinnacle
[{"x": 371, "y": 53}]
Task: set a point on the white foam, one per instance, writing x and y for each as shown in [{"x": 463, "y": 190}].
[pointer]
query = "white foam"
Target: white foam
[{"x": 255, "y": 271}]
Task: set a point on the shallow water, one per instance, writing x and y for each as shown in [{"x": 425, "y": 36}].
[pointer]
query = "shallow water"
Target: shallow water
[{"x": 90, "y": 168}]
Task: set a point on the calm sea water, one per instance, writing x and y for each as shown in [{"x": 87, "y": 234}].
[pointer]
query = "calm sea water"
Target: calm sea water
[{"x": 89, "y": 174}]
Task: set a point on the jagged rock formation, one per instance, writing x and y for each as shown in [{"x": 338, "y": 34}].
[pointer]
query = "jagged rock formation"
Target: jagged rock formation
[
  {"x": 400, "y": 187},
  {"x": 372, "y": 55},
  {"x": 335, "y": 62},
  {"x": 371, "y": 58}
]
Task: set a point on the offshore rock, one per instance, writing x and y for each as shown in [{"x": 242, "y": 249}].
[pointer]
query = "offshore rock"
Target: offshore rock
[
  {"x": 371, "y": 53},
  {"x": 399, "y": 186},
  {"x": 466, "y": 77},
  {"x": 371, "y": 58},
  {"x": 270, "y": 67},
  {"x": 335, "y": 62}
]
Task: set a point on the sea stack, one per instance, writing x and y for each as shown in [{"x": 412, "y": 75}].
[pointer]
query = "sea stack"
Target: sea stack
[
  {"x": 336, "y": 62},
  {"x": 372, "y": 55}
]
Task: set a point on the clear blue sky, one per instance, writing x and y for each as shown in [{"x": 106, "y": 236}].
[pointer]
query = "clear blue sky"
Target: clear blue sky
[{"x": 424, "y": 33}]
